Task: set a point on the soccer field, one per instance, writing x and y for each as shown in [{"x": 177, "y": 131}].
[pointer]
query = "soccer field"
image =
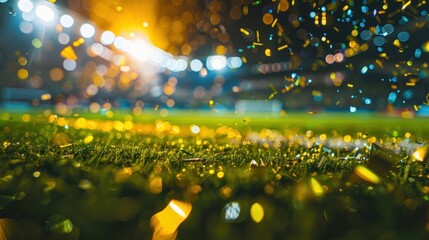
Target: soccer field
[{"x": 202, "y": 175}]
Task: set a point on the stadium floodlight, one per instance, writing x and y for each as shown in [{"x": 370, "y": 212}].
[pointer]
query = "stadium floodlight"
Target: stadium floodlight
[
  {"x": 216, "y": 62},
  {"x": 45, "y": 13}
]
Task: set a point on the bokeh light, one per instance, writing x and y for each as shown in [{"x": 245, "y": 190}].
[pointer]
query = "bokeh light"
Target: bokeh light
[
  {"x": 63, "y": 38},
  {"x": 257, "y": 212},
  {"x": 196, "y": 65},
  {"x": 234, "y": 62},
  {"x": 26, "y": 27},
  {"x": 107, "y": 37},
  {"x": 231, "y": 211},
  {"x": 25, "y": 5},
  {"x": 45, "y": 13},
  {"x": 87, "y": 30},
  {"x": 69, "y": 64},
  {"x": 22, "y": 74},
  {"x": 217, "y": 62},
  {"x": 66, "y": 21}
]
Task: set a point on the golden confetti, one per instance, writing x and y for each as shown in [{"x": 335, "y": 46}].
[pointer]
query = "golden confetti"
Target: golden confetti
[
  {"x": 416, "y": 108},
  {"x": 274, "y": 22},
  {"x": 244, "y": 31},
  {"x": 166, "y": 222},
  {"x": 420, "y": 153},
  {"x": 68, "y": 53},
  {"x": 78, "y": 42},
  {"x": 282, "y": 47},
  {"x": 406, "y": 5}
]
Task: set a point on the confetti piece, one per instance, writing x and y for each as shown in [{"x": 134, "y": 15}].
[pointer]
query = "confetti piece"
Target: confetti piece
[
  {"x": 282, "y": 47},
  {"x": 166, "y": 222},
  {"x": 274, "y": 22},
  {"x": 78, "y": 42},
  {"x": 420, "y": 154},
  {"x": 244, "y": 31},
  {"x": 406, "y": 5},
  {"x": 68, "y": 53},
  {"x": 379, "y": 63}
]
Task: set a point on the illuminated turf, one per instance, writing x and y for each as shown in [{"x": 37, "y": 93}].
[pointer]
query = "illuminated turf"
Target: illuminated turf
[{"x": 98, "y": 177}]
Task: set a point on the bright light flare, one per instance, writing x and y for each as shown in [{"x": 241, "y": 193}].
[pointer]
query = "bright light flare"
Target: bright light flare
[
  {"x": 25, "y": 5},
  {"x": 45, "y": 13},
  {"x": 216, "y": 63},
  {"x": 120, "y": 43},
  {"x": 138, "y": 49}
]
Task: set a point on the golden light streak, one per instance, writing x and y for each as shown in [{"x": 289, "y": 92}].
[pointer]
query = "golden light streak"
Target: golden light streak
[
  {"x": 406, "y": 5},
  {"x": 282, "y": 47},
  {"x": 244, "y": 31},
  {"x": 177, "y": 209},
  {"x": 367, "y": 174},
  {"x": 274, "y": 22}
]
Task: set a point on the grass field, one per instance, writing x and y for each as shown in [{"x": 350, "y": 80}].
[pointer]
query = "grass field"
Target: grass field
[{"x": 296, "y": 176}]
